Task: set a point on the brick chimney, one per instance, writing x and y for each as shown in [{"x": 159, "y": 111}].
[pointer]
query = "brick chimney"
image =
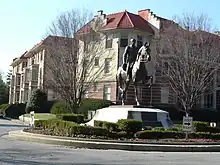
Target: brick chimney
[{"x": 144, "y": 14}]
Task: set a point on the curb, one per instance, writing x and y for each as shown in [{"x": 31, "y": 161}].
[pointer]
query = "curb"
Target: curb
[
  {"x": 123, "y": 141},
  {"x": 15, "y": 120},
  {"x": 96, "y": 144}
]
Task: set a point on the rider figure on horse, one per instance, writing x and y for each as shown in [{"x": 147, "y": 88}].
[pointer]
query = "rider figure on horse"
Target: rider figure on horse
[
  {"x": 131, "y": 54},
  {"x": 129, "y": 58}
]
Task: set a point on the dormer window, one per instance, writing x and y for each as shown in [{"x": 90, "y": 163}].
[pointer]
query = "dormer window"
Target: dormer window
[
  {"x": 124, "y": 41},
  {"x": 32, "y": 61},
  {"x": 108, "y": 43}
]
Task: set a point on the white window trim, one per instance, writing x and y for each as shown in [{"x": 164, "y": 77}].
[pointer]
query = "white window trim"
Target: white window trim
[
  {"x": 163, "y": 67},
  {"x": 98, "y": 62},
  {"x": 110, "y": 63},
  {"x": 108, "y": 37},
  {"x": 108, "y": 93}
]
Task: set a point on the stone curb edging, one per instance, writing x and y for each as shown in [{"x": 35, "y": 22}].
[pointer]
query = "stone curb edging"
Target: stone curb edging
[
  {"x": 124, "y": 141},
  {"x": 20, "y": 135}
]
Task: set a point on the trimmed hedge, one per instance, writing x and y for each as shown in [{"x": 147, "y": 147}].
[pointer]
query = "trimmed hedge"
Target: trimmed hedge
[
  {"x": 98, "y": 123},
  {"x": 129, "y": 125},
  {"x": 3, "y": 107},
  {"x": 148, "y": 134},
  {"x": 15, "y": 110},
  {"x": 200, "y": 126},
  {"x": 158, "y": 129},
  {"x": 110, "y": 126},
  {"x": 69, "y": 129},
  {"x": 93, "y": 104},
  {"x": 60, "y": 107},
  {"x": 177, "y": 135},
  {"x": 126, "y": 125},
  {"x": 204, "y": 127},
  {"x": 77, "y": 118}
]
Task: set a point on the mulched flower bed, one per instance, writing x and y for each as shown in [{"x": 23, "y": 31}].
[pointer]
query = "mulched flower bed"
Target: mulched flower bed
[{"x": 134, "y": 140}]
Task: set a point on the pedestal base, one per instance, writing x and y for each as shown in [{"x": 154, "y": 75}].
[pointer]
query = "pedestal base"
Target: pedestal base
[{"x": 143, "y": 106}]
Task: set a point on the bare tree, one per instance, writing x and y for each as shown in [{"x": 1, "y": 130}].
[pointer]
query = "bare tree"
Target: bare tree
[
  {"x": 71, "y": 65},
  {"x": 189, "y": 57}
]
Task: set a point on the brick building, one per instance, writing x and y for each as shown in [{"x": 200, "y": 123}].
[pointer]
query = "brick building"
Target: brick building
[{"x": 117, "y": 29}]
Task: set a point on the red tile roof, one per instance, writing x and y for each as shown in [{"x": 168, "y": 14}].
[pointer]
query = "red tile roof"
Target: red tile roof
[{"x": 122, "y": 20}]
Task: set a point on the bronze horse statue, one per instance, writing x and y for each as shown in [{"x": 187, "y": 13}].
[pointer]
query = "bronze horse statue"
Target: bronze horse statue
[{"x": 139, "y": 74}]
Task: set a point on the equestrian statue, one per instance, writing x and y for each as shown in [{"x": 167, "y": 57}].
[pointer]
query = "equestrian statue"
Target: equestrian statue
[{"x": 134, "y": 69}]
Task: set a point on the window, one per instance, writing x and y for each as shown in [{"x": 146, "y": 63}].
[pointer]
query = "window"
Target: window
[
  {"x": 95, "y": 87},
  {"x": 22, "y": 96},
  {"x": 85, "y": 46},
  {"x": 18, "y": 80},
  {"x": 107, "y": 65},
  {"x": 108, "y": 43},
  {"x": 24, "y": 64},
  {"x": 27, "y": 76},
  {"x": 36, "y": 58},
  {"x": 17, "y": 96},
  {"x": 22, "y": 79},
  {"x": 218, "y": 79},
  {"x": 25, "y": 96},
  {"x": 18, "y": 68},
  {"x": 124, "y": 41},
  {"x": 32, "y": 61},
  {"x": 96, "y": 61},
  {"x": 34, "y": 74},
  {"x": 86, "y": 94},
  {"x": 165, "y": 68},
  {"x": 139, "y": 42},
  {"x": 208, "y": 100},
  {"x": 107, "y": 92}
]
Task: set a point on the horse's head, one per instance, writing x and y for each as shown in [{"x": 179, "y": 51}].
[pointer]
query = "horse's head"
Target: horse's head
[{"x": 145, "y": 52}]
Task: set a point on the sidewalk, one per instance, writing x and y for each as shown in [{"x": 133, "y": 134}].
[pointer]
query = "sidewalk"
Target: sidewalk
[{"x": 114, "y": 145}]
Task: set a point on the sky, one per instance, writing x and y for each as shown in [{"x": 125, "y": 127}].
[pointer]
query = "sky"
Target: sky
[{"x": 24, "y": 22}]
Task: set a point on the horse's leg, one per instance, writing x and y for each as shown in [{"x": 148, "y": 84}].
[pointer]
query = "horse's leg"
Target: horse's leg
[
  {"x": 126, "y": 85},
  {"x": 121, "y": 88},
  {"x": 122, "y": 98},
  {"x": 136, "y": 94},
  {"x": 151, "y": 81}
]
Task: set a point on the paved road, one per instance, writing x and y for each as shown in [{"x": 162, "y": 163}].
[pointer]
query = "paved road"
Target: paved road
[{"x": 26, "y": 153}]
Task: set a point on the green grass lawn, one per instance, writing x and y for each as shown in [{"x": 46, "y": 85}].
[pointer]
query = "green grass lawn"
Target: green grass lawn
[{"x": 42, "y": 116}]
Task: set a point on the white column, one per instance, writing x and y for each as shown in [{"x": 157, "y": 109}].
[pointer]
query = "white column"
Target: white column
[
  {"x": 202, "y": 101},
  {"x": 214, "y": 100}
]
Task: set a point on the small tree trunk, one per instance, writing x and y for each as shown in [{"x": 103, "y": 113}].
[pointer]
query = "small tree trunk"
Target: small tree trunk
[{"x": 187, "y": 135}]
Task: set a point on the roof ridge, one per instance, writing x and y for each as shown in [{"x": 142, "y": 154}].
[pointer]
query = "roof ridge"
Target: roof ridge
[
  {"x": 114, "y": 13},
  {"x": 127, "y": 13},
  {"x": 120, "y": 19}
]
